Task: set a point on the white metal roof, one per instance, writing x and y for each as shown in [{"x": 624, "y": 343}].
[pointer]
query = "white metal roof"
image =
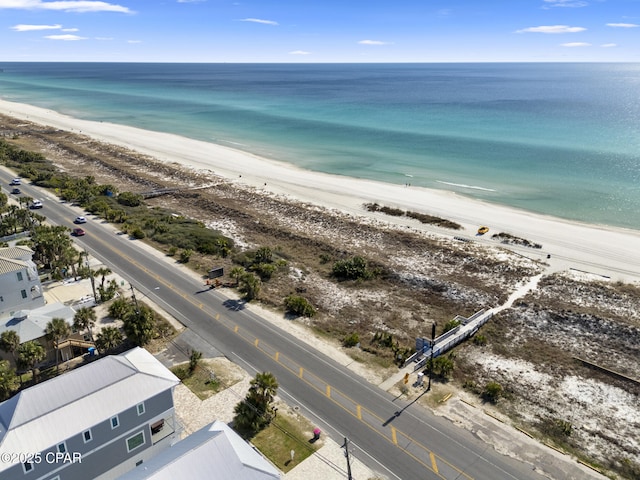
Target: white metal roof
[
  {"x": 18, "y": 252},
  {"x": 31, "y": 324},
  {"x": 8, "y": 265},
  {"x": 46, "y": 414},
  {"x": 214, "y": 452}
]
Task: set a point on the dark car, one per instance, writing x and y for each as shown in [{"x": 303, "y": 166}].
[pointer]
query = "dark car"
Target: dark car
[
  {"x": 77, "y": 232},
  {"x": 16, "y": 191}
]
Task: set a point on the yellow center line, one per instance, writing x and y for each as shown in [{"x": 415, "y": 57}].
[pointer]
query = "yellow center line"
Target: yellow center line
[
  {"x": 358, "y": 414},
  {"x": 434, "y": 465}
]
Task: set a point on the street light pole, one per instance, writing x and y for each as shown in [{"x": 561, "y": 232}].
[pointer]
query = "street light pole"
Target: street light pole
[
  {"x": 346, "y": 454},
  {"x": 433, "y": 336}
]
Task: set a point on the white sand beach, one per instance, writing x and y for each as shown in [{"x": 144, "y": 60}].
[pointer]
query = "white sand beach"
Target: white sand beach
[{"x": 604, "y": 251}]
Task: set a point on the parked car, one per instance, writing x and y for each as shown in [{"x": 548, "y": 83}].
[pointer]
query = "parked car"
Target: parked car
[
  {"x": 16, "y": 181},
  {"x": 78, "y": 232},
  {"x": 16, "y": 191},
  {"x": 80, "y": 220},
  {"x": 36, "y": 204}
]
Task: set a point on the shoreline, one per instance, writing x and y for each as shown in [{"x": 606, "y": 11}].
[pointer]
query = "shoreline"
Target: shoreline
[{"x": 603, "y": 250}]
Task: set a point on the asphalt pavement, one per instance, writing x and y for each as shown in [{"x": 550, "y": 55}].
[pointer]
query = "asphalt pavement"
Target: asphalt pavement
[{"x": 405, "y": 441}]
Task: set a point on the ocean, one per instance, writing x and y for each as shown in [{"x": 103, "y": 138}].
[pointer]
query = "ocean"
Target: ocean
[{"x": 552, "y": 138}]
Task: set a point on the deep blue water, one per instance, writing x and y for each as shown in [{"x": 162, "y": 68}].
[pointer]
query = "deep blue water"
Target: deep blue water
[{"x": 559, "y": 139}]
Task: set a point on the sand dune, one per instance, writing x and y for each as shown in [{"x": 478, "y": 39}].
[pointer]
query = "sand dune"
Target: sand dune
[{"x": 606, "y": 251}]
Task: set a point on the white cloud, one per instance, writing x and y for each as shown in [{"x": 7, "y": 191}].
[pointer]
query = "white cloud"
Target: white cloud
[
  {"x": 104, "y": 38},
  {"x": 69, "y": 29},
  {"x": 565, "y": 3},
  {"x": 622, "y": 25},
  {"x": 373, "y": 42},
  {"x": 30, "y": 28},
  {"x": 609, "y": 45},
  {"x": 67, "y": 38},
  {"x": 80, "y": 6},
  {"x": 259, "y": 20},
  {"x": 552, "y": 29},
  {"x": 299, "y": 52},
  {"x": 134, "y": 41},
  {"x": 575, "y": 44}
]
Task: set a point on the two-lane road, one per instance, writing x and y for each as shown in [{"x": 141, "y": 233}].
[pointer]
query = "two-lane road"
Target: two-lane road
[{"x": 408, "y": 441}]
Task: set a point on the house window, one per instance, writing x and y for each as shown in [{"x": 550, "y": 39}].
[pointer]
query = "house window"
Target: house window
[
  {"x": 140, "y": 408},
  {"x": 27, "y": 467},
  {"x": 114, "y": 422},
  {"x": 86, "y": 435},
  {"x": 19, "y": 276},
  {"x": 135, "y": 441},
  {"x": 138, "y": 463},
  {"x": 62, "y": 447},
  {"x": 23, "y": 293}
]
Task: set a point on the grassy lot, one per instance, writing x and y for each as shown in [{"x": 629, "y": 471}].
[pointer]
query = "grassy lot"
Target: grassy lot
[
  {"x": 200, "y": 381},
  {"x": 286, "y": 433}
]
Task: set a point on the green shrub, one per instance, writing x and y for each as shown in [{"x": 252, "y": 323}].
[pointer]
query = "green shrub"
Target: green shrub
[
  {"x": 352, "y": 269},
  {"x": 479, "y": 340},
  {"x": 450, "y": 325},
  {"x": 492, "y": 391},
  {"x": 185, "y": 255},
  {"x": 264, "y": 270},
  {"x": 299, "y": 306},
  {"x": 138, "y": 233},
  {"x": 130, "y": 199},
  {"x": 351, "y": 340}
]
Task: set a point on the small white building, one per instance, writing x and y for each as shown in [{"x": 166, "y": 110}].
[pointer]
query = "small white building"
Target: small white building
[{"x": 20, "y": 287}]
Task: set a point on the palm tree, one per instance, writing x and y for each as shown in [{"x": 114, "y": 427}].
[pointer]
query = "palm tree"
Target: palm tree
[
  {"x": 236, "y": 273},
  {"x": 8, "y": 380},
  {"x": 120, "y": 308},
  {"x": 140, "y": 326},
  {"x": 250, "y": 285},
  {"x": 102, "y": 272},
  {"x": 56, "y": 330},
  {"x": 108, "y": 338},
  {"x": 256, "y": 410},
  {"x": 264, "y": 387},
  {"x": 29, "y": 355},
  {"x": 9, "y": 342},
  {"x": 85, "y": 319}
]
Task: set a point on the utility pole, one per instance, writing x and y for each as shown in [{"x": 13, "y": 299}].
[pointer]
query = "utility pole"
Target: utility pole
[
  {"x": 346, "y": 454},
  {"x": 93, "y": 280},
  {"x": 433, "y": 344},
  {"x": 133, "y": 295}
]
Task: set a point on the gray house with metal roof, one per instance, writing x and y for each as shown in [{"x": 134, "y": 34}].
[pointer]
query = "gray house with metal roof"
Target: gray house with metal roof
[
  {"x": 97, "y": 421},
  {"x": 20, "y": 287},
  {"x": 214, "y": 452}
]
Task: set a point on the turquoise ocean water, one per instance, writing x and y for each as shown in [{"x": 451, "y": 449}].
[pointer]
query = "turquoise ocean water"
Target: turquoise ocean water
[{"x": 558, "y": 139}]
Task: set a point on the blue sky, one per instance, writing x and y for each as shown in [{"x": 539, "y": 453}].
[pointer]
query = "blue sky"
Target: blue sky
[{"x": 320, "y": 30}]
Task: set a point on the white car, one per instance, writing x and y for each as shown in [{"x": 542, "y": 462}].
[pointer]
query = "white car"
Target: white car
[
  {"x": 16, "y": 181},
  {"x": 36, "y": 204},
  {"x": 80, "y": 220}
]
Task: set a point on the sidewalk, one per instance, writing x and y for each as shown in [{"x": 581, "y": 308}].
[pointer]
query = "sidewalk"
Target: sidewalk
[{"x": 328, "y": 463}]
